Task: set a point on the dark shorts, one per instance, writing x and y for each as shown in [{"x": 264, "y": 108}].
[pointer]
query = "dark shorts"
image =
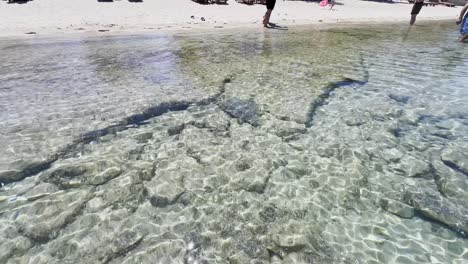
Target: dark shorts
[
  {"x": 416, "y": 8},
  {"x": 270, "y": 4}
]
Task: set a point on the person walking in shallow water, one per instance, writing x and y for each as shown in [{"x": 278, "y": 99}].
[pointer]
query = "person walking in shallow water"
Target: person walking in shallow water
[
  {"x": 270, "y": 4},
  {"x": 463, "y": 20},
  {"x": 418, "y": 4}
]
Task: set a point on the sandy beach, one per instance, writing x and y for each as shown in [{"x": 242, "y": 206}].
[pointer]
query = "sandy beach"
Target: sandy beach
[{"x": 58, "y": 16}]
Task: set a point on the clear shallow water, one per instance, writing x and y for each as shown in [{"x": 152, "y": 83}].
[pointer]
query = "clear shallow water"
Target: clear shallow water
[{"x": 341, "y": 145}]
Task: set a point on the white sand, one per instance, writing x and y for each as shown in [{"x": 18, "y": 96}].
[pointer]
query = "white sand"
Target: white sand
[{"x": 64, "y": 16}]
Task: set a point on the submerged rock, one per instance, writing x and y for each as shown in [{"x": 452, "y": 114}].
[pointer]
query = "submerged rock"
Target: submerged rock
[
  {"x": 105, "y": 176},
  {"x": 414, "y": 168},
  {"x": 239, "y": 258},
  {"x": 439, "y": 209},
  {"x": 400, "y": 98},
  {"x": 125, "y": 241},
  {"x": 456, "y": 248},
  {"x": 144, "y": 137},
  {"x": 268, "y": 214},
  {"x": 67, "y": 176},
  {"x": 457, "y": 160},
  {"x": 175, "y": 130},
  {"x": 57, "y": 211},
  {"x": 392, "y": 155},
  {"x": 290, "y": 243},
  {"x": 253, "y": 248},
  {"x": 446, "y": 124},
  {"x": 17, "y": 245},
  {"x": 397, "y": 208},
  {"x": 158, "y": 201},
  {"x": 23, "y": 169},
  {"x": 440, "y": 133},
  {"x": 10, "y": 176},
  {"x": 245, "y": 110}
]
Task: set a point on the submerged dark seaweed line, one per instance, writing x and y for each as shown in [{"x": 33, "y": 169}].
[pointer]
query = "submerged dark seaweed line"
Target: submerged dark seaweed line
[
  {"x": 31, "y": 169},
  {"x": 420, "y": 214},
  {"x": 455, "y": 167},
  {"x": 86, "y": 138},
  {"x": 330, "y": 88},
  {"x": 322, "y": 98},
  {"x": 139, "y": 119},
  {"x": 136, "y": 119},
  {"x": 131, "y": 121}
]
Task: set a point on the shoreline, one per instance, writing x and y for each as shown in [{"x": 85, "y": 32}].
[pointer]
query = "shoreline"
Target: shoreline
[
  {"x": 202, "y": 30},
  {"x": 113, "y": 18}
]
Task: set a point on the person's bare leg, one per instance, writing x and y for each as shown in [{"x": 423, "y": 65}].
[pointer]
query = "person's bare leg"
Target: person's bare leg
[
  {"x": 463, "y": 38},
  {"x": 418, "y": 5},
  {"x": 266, "y": 18},
  {"x": 413, "y": 19}
]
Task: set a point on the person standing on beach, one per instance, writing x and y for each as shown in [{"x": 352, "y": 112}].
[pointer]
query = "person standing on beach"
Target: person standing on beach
[
  {"x": 463, "y": 20},
  {"x": 270, "y": 4},
  {"x": 418, "y": 4},
  {"x": 332, "y": 4}
]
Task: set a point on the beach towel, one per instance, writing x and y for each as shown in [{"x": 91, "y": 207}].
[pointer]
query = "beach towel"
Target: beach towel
[{"x": 464, "y": 26}]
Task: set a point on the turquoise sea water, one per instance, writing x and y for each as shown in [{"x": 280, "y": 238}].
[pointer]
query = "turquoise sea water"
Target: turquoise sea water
[{"x": 343, "y": 144}]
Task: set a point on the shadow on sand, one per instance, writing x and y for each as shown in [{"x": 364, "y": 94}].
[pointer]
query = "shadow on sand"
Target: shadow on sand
[
  {"x": 18, "y": 1},
  {"x": 276, "y": 26}
]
